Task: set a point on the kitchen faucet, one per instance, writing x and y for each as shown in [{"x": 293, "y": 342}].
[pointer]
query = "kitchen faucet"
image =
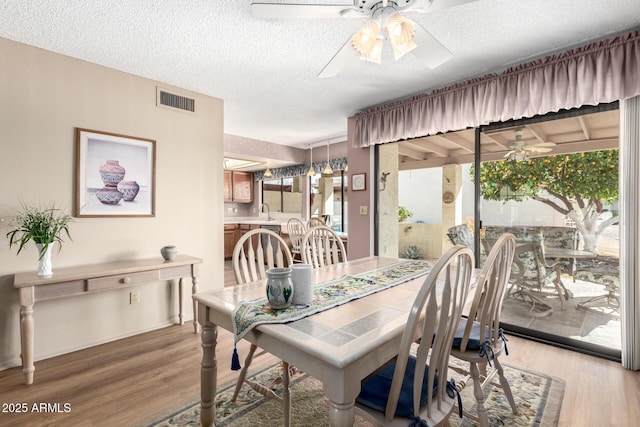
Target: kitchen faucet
[{"x": 269, "y": 218}]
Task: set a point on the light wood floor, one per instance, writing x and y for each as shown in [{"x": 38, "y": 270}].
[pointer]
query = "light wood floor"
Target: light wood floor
[{"x": 134, "y": 381}]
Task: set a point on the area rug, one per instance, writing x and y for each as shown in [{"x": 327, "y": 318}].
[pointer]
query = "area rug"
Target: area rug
[{"x": 538, "y": 396}]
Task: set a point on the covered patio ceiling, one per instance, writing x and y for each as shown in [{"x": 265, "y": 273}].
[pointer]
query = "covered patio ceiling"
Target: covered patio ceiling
[{"x": 589, "y": 132}]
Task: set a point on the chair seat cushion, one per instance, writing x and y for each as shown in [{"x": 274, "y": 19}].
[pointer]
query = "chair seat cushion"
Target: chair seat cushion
[
  {"x": 475, "y": 340},
  {"x": 374, "y": 391}
]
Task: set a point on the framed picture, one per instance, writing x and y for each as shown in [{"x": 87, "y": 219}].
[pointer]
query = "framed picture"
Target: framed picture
[
  {"x": 115, "y": 175},
  {"x": 359, "y": 182}
]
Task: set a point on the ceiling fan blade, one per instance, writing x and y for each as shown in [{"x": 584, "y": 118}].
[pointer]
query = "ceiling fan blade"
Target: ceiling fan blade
[
  {"x": 295, "y": 11},
  {"x": 538, "y": 149},
  {"x": 544, "y": 144},
  {"x": 425, "y": 6},
  {"x": 429, "y": 50},
  {"x": 340, "y": 60}
]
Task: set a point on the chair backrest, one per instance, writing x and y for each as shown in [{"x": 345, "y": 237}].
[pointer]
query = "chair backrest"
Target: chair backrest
[
  {"x": 491, "y": 286},
  {"x": 296, "y": 229},
  {"x": 461, "y": 234},
  {"x": 529, "y": 266},
  {"x": 321, "y": 246},
  {"x": 440, "y": 317},
  {"x": 315, "y": 221},
  {"x": 258, "y": 251},
  {"x": 561, "y": 237}
]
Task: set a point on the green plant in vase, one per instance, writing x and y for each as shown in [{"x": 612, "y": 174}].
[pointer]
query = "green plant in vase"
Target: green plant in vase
[{"x": 44, "y": 225}]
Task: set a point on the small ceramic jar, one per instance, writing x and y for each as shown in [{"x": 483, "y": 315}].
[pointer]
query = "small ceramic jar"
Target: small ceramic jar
[
  {"x": 279, "y": 287},
  {"x": 168, "y": 252}
]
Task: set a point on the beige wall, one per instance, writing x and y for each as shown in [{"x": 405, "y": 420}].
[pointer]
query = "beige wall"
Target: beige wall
[
  {"x": 388, "y": 201},
  {"x": 45, "y": 96},
  {"x": 424, "y": 236}
]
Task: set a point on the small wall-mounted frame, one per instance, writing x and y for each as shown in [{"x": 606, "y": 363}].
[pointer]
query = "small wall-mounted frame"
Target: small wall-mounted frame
[
  {"x": 359, "y": 182},
  {"x": 115, "y": 175}
]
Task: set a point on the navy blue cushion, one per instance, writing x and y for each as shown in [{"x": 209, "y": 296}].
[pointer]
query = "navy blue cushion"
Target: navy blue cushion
[
  {"x": 374, "y": 391},
  {"x": 475, "y": 341}
]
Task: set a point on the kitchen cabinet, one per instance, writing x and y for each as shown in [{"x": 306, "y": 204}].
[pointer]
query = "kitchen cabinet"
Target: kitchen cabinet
[
  {"x": 238, "y": 186},
  {"x": 228, "y": 186},
  {"x": 242, "y": 187},
  {"x": 245, "y": 228},
  {"x": 229, "y": 240},
  {"x": 232, "y": 233}
]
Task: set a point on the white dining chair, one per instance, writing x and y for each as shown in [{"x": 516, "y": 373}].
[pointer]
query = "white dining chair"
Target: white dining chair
[
  {"x": 479, "y": 340},
  {"x": 296, "y": 229},
  {"x": 321, "y": 246},
  {"x": 315, "y": 221},
  {"x": 412, "y": 389},
  {"x": 256, "y": 252}
]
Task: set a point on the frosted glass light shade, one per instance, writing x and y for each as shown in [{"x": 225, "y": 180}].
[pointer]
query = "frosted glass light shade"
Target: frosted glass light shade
[
  {"x": 364, "y": 41},
  {"x": 401, "y": 32}
]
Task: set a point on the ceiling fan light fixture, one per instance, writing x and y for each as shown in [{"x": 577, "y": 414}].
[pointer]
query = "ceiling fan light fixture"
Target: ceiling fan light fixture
[
  {"x": 399, "y": 50},
  {"x": 376, "y": 53},
  {"x": 365, "y": 40},
  {"x": 518, "y": 156},
  {"x": 401, "y": 31}
]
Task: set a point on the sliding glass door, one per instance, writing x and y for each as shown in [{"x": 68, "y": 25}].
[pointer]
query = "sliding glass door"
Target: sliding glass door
[
  {"x": 552, "y": 181},
  {"x": 557, "y": 192}
]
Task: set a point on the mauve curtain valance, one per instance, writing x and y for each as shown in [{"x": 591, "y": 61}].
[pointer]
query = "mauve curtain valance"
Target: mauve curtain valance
[{"x": 600, "y": 72}]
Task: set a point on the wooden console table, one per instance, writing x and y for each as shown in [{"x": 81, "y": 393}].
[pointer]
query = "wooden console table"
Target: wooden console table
[{"x": 87, "y": 279}]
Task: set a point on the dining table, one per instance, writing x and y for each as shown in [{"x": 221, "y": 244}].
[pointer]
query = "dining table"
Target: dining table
[{"x": 340, "y": 344}]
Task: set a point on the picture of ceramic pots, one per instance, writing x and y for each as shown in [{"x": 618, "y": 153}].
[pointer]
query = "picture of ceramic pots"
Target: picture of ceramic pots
[
  {"x": 109, "y": 195},
  {"x": 129, "y": 190},
  {"x": 111, "y": 173}
]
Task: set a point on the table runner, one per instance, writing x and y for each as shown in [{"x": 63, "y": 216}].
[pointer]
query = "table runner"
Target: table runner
[{"x": 326, "y": 295}]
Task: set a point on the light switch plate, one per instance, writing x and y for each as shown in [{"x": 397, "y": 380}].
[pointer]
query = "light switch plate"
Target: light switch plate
[
  {"x": 363, "y": 210},
  {"x": 134, "y": 297}
]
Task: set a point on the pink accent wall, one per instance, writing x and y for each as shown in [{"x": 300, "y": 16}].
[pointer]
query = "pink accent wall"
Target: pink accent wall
[
  {"x": 262, "y": 150},
  {"x": 360, "y": 226}
]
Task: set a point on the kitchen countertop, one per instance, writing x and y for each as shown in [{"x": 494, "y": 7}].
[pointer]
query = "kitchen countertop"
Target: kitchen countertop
[{"x": 255, "y": 220}]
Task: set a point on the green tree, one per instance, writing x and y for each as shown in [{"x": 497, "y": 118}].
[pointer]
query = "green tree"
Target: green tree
[{"x": 576, "y": 185}]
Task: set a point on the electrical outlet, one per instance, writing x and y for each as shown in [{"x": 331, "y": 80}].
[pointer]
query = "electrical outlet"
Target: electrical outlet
[
  {"x": 134, "y": 297},
  {"x": 363, "y": 210}
]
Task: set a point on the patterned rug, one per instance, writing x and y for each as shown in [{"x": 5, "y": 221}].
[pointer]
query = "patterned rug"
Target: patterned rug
[{"x": 538, "y": 396}]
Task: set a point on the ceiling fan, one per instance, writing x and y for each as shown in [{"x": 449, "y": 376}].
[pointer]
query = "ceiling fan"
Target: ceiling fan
[
  {"x": 384, "y": 19},
  {"x": 520, "y": 150}
]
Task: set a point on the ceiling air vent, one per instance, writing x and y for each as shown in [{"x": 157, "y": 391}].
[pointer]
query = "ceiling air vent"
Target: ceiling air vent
[{"x": 167, "y": 99}]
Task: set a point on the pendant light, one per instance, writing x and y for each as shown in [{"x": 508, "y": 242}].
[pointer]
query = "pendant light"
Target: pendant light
[
  {"x": 267, "y": 173},
  {"x": 311, "y": 171},
  {"x": 328, "y": 170}
]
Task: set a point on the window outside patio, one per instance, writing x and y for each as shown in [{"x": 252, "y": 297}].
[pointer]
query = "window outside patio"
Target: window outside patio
[{"x": 590, "y": 313}]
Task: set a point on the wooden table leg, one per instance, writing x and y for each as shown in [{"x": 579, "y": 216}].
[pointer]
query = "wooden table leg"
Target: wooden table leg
[
  {"x": 194, "y": 290},
  {"x": 26, "y": 333},
  {"x": 208, "y": 370},
  {"x": 341, "y": 414},
  {"x": 181, "y": 302}
]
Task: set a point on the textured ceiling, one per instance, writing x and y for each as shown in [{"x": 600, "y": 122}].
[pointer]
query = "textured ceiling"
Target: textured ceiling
[{"x": 265, "y": 70}]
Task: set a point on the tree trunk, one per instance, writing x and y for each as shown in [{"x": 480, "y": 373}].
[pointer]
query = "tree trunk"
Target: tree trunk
[{"x": 586, "y": 221}]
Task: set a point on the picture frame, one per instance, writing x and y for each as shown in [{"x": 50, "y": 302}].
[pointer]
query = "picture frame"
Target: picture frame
[
  {"x": 359, "y": 182},
  {"x": 115, "y": 175}
]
